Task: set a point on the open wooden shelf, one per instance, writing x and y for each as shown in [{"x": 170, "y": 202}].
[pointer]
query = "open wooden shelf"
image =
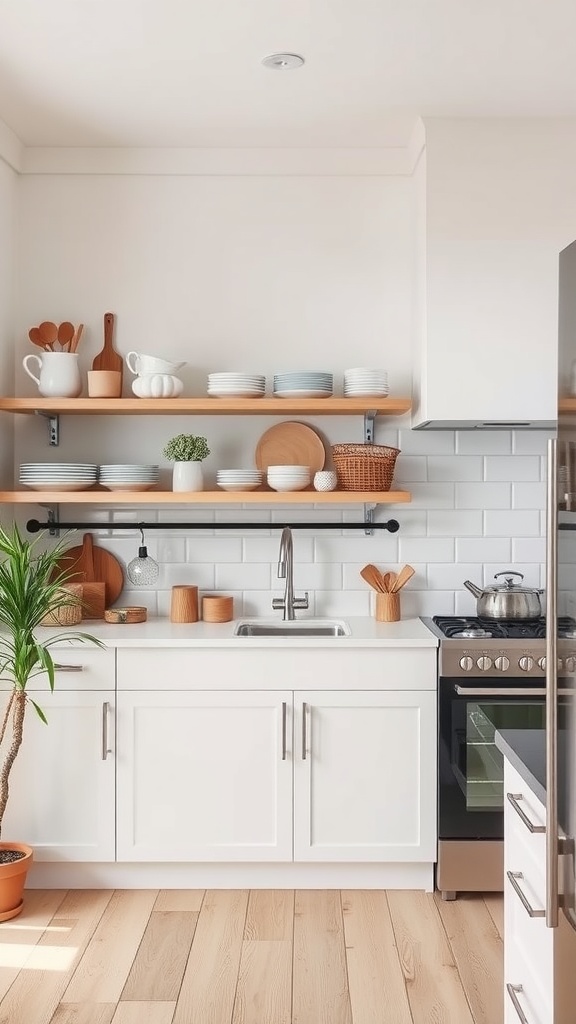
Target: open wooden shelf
[
  {"x": 205, "y": 406},
  {"x": 203, "y": 497}
]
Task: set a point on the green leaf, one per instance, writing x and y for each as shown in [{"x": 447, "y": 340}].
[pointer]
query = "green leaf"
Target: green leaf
[{"x": 39, "y": 711}]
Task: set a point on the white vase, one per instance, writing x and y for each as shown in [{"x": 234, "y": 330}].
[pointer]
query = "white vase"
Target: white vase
[{"x": 187, "y": 476}]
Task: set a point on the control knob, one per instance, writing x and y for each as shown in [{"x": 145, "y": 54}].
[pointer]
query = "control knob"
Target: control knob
[
  {"x": 484, "y": 663},
  {"x": 502, "y": 663},
  {"x": 570, "y": 664},
  {"x": 542, "y": 664},
  {"x": 526, "y": 663},
  {"x": 466, "y": 663}
]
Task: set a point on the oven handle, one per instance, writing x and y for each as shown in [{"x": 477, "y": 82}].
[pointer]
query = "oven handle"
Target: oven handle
[{"x": 488, "y": 691}]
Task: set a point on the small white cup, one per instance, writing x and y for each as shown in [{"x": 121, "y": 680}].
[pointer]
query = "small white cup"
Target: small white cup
[
  {"x": 325, "y": 480},
  {"x": 139, "y": 364}
]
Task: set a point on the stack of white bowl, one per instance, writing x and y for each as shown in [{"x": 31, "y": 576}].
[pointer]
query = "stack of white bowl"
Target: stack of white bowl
[
  {"x": 362, "y": 382},
  {"x": 238, "y": 479},
  {"x": 303, "y": 384},
  {"x": 288, "y": 478},
  {"x": 61, "y": 476},
  {"x": 236, "y": 385},
  {"x": 128, "y": 477}
]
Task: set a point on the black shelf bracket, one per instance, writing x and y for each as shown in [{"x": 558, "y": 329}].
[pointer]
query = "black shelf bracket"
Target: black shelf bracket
[{"x": 53, "y": 525}]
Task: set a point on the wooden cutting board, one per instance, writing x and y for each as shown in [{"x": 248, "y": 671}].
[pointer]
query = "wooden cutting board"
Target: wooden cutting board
[
  {"x": 94, "y": 564},
  {"x": 108, "y": 359},
  {"x": 290, "y": 444}
]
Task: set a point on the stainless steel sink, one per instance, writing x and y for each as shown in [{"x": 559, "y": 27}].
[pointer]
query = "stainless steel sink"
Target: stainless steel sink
[{"x": 296, "y": 628}]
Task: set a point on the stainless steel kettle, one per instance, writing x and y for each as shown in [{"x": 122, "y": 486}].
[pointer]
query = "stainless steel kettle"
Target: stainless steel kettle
[{"x": 508, "y": 601}]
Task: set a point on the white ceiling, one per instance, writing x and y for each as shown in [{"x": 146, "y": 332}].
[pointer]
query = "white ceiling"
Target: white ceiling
[{"x": 188, "y": 72}]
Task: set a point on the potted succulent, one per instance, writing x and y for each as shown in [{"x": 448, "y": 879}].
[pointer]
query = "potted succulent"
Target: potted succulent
[
  {"x": 186, "y": 451},
  {"x": 32, "y": 588}
]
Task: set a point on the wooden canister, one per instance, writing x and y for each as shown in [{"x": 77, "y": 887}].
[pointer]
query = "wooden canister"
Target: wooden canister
[
  {"x": 184, "y": 604},
  {"x": 387, "y": 607},
  {"x": 217, "y": 608}
]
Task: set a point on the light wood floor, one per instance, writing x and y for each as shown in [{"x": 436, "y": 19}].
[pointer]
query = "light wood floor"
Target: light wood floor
[{"x": 251, "y": 957}]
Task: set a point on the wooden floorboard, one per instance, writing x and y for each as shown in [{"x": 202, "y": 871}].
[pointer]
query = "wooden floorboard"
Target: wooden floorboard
[{"x": 260, "y": 957}]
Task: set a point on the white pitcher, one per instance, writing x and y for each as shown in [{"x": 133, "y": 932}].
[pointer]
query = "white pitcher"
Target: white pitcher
[{"x": 59, "y": 374}]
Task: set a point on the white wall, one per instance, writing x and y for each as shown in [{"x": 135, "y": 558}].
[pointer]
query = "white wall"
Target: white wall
[
  {"x": 269, "y": 273},
  {"x": 8, "y": 243}
]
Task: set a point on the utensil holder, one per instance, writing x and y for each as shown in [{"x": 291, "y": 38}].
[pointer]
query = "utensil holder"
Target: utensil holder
[
  {"x": 387, "y": 607},
  {"x": 216, "y": 608},
  {"x": 184, "y": 604}
]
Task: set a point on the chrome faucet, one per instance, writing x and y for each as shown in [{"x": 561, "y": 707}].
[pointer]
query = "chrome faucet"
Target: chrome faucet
[{"x": 288, "y": 603}]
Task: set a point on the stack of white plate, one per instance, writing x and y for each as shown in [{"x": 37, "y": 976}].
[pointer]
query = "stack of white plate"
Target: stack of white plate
[
  {"x": 238, "y": 479},
  {"x": 303, "y": 384},
  {"x": 128, "y": 477},
  {"x": 288, "y": 478},
  {"x": 362, "y": 382},
  {"x": 59, "y": 476},
  {"x": 236, "y": 385}
]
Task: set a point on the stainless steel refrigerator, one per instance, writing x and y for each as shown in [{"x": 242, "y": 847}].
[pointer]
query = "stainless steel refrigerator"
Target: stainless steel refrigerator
[{"x": 561, "y": 660}]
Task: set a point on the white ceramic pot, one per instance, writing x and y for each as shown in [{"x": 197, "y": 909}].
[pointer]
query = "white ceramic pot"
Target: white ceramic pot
[
  {"x": 58, "y": 374},
  {"x": 187, "y": 476}
]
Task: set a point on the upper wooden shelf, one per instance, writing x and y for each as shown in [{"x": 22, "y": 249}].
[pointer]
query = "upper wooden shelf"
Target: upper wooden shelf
[
  {"x": 203, "y": 497},
  {"x": 338, "y": 406}
]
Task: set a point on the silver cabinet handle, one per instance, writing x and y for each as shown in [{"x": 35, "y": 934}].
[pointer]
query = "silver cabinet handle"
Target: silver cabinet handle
[
  {"x": 513, "y": 799},
  {"x": 512, "y": 990},
  {"x": 284, "y": 709},
  {"x": 512, "y": 878},
  {"x": 551, "y": 688},
  {"x": 304, "y": 741},
  {"x": 105, "y": 748},
  {"x": 68, "y": 668}
]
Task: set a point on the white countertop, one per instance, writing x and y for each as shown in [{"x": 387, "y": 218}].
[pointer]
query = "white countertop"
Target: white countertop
[{"x": 160, "y": 632}]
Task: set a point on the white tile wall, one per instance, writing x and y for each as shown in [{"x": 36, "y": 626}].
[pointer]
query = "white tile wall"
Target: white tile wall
[{"x": 477, "y": 508}]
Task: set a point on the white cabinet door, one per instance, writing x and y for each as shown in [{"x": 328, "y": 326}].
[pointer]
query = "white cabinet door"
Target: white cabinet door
[
  {"x": 204, "y": 776},
  {"x": 62, "y": 786},
  {"x": 365, "y": 776}
]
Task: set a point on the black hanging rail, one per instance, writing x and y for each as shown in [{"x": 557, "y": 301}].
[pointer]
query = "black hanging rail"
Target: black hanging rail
[{"x": 34, "y": 526}]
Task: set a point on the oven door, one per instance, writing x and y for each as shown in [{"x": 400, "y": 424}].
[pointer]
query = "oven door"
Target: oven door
[{"x": 471, "y": 770}]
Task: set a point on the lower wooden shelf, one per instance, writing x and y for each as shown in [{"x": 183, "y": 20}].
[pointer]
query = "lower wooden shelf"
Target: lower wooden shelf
[{"x": 203, "y": 497}]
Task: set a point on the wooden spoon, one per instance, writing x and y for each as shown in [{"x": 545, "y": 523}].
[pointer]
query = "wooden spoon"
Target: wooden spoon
[
  {"x": 373, "y": 576},
  {"x": 34, "y": 335},
  {"x": 76, "y": 338},
  {"x": 403, "y": 576},
  {"x": 48, "y": 333},
  {"x": 65, "y": 335}
]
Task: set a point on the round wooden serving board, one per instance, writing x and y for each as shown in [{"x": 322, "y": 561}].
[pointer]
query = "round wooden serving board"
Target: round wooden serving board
[
  {"x": 102, "y": 566},
  {"x": 290, "y": 444}
]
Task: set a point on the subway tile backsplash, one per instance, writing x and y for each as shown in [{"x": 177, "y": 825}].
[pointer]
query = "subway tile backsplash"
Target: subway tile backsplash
[{"x": 477, "y": 508}]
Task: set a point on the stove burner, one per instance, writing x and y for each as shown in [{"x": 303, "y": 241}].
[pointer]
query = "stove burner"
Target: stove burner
[
  {"x": 568, "y": 634},
  {"x": 471, "y": 632}
]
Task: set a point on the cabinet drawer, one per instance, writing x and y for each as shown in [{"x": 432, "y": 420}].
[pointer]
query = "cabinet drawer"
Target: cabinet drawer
[
  {"x": 535, "y": 997},
  {"x": 82, "y": 667}
]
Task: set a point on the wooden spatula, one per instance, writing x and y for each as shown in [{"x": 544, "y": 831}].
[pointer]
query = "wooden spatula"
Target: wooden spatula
[
  {"x": 403, "y": 576},
  {"x": 108, "y": 359},
  {"x": 373, "y": 576}
]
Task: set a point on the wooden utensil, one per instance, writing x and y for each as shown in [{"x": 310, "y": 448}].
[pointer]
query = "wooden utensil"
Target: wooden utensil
[
  {"x": 65, "y": 335},
  {"x": 76, "y": 338},
  {"x": 34, "y": 335},
  {"x": 48, "y": 333},
  {"x": 103, "y": 565},
  {"x": 374, "y": 577},
  {"x": 108, "y": 359},
  {"x": 290, "y": 444},
  {"x": 403, "y": 576}
]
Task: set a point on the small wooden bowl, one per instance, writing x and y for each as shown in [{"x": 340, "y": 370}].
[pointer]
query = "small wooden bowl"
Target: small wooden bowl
[{"x": 135, "y": 613}]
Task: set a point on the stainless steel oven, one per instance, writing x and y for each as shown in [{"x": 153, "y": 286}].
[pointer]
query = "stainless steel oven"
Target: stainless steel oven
[{"x": 491, "y": 676}]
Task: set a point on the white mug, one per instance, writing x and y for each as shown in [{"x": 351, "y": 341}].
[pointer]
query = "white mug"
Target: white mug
[
  {"x": 140, "y": 364},
  {"x": 59, "y": 374}
]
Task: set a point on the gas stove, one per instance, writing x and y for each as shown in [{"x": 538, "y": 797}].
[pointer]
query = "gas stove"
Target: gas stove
[{"x": 470, "y": 646}]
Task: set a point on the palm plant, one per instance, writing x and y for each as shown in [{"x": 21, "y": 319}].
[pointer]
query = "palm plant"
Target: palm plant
[{"x": 31, "y": 587}]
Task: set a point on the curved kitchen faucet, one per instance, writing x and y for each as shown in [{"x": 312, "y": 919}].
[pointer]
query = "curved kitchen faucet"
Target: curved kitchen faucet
[{"x": 288, "y": 603}]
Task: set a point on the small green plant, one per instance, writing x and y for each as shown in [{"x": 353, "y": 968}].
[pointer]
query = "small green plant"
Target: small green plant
[
  {"x": 31, "y": 587},
  {"x": 186, "y": 448}
]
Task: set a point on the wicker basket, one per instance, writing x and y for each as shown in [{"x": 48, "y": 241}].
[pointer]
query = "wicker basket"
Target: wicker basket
[
  {"x": 70, "y": 613},
  {"x": 364, "y": 467}
]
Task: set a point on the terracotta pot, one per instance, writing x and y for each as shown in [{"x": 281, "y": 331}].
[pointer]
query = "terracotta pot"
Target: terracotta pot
[{"x": 13, "y": 880}]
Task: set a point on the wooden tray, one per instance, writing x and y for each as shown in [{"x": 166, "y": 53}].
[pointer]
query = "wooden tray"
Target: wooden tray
[{"x": 290, "y": 444}]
